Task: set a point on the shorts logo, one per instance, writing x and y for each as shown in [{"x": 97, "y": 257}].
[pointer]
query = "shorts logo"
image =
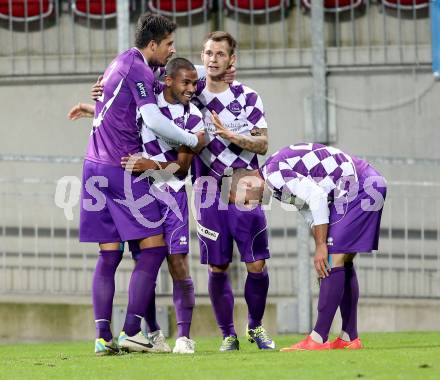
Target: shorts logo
[
  {"x": 141, "y": 89},
  {"x": 330, "y": 241},
  {"x": 206, "y": 232},
  {"x": 183, "y": 240}
]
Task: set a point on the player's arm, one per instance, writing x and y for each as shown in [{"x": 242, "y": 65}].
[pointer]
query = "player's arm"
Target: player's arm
[
  {"x": 81, "y": 110},
  {"x": 256, "y": 142},
  {"x": 289, "y": 183},
  {"x": 138, "y": 164},
  {"x": 164, "y": 127}
]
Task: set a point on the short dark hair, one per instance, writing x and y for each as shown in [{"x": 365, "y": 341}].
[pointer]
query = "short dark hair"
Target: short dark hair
[
  {"x": 152, "y": 28},
  {"x": 218, "y": 36},
  {"x": 177, "y": 64}
]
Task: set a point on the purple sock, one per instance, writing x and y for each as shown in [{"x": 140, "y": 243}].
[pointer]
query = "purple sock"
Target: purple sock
[
  {"x": 150, "y": 315},
  {"x": 142, "y": 285},
  {"x": 222, "y": 301},
  {"x": 330, "y": 296},
  {"x": 350, "y": 301},
  {"x": 255, "y": 293},
  {"x": 103, "y": 290},
  {"x": 183, "y": 298}
]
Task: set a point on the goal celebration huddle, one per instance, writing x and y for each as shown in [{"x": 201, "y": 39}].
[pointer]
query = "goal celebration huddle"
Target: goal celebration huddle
[{"x": 157, "y": 120}]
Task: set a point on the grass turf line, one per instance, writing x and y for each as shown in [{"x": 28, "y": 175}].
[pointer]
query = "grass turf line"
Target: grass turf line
[{"x": 386, "y": 356}]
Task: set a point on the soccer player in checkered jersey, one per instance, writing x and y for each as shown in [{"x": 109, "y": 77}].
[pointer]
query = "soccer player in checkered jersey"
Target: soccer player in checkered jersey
[
  {"x": 173, "y": 99},
  {"x": 235, "y": 146},
  {"x": 342, "y": 198},
  {"x": 128, "y": 91}
]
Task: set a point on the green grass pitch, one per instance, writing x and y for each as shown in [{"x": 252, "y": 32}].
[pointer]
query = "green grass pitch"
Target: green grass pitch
[{"x": 386, "y": 356}]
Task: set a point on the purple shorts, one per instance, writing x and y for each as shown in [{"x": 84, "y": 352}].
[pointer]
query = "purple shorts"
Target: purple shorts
[
  {"x": 175, "y": 224},
  {"x": 355, "y": 224},
  {"x": 106, "y": 216},
  {"x": 220, "y": 224}
]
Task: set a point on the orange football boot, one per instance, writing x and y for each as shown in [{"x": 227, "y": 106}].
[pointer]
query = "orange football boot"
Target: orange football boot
[
  {"x": 340, "y": 344},
  {"x": 307, "y": 344}
]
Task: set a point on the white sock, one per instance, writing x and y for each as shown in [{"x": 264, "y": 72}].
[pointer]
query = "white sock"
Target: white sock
[
  {"x": 316, "y": 337},
  {"x": 344, "y": 336}
]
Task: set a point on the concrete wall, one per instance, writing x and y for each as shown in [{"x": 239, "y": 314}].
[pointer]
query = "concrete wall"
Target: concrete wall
[{"x": 69, "y": 322}]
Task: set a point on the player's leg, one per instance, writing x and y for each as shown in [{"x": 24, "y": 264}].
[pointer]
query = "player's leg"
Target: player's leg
[
  {"x": 249, "y": 229},
  {"x": 255, "y": 293},
  {"x": 331, "y": 291},
  {"x": 222, "y": 301},
  {"x": 184, "y": 300},
  {"x": 141, "y": 222},
  {"x": 96, "y": 225},
  {"x": 348, "y": 337},
  {"x": 141, "y": 291},
  {"x": 176, "y": 234},
  {"x": 216, "y": 244},
  {"x": 155, "y": 334},
  {"x": 103, "y": 291}
]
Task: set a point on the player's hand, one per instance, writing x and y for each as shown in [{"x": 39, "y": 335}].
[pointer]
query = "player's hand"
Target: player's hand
[
  {"x": 81, "y": 110},
  {"x": 202, "y": 142},
  {"x": 321, "y": 261},
  {"x": 230, "y": 75},
  {"x": 97, "y": 89},
  {"x": 220, "y": 130},
  {"x": 137, "y": 164}
]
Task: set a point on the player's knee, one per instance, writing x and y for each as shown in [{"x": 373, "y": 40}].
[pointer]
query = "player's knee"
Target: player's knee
[
  {"x": 256, "y": 266},
  {"x": 218, "y": 268},
  {"x": 178, "y": 267}
]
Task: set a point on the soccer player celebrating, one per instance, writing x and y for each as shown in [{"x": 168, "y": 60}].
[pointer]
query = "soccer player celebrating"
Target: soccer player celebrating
[
  {"x": 235, "y": 145},
  {"x": 174, "y": 102},
  {"x": 111, "y": 213},
  {"x": 342, "y": 199}
]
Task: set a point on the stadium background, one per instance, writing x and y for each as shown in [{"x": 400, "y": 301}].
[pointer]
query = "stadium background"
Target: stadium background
[{"x": 359, "y": 77}]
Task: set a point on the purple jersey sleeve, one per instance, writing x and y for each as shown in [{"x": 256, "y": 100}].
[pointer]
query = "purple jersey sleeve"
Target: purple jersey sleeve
[{"x": 141, "y": 82}]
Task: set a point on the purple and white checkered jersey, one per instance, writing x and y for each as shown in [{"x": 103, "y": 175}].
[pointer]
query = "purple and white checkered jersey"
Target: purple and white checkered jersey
[
  {"x": 240, "y": 109},
  {"x": 128, "y": 85},
  {"x": 313, "y": 173},
  {"x": 156, "y": 148}
]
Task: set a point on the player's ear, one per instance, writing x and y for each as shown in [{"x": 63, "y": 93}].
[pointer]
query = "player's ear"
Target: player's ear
[
  {"x": 152, "y": 45},
  {"x": 233, "y": 60},
  {"x": 168, "y": 81}
]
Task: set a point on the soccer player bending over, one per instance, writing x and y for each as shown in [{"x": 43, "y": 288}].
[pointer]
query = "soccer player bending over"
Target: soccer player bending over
[{"x": 342, "y": 198}]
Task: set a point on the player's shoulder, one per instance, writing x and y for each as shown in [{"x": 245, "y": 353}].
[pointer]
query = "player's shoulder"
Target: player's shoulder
[
  {"x": 201, "y": 85},
  {"x": 135, "y": 62},
  {"x": 249, "y": 93}
]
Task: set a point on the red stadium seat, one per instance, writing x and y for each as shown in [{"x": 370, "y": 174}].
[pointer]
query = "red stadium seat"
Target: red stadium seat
[
  {"x": 256, "y": 6},
  {"x": 336, "y": 5},
  {"x": 406, "y": 4},
  {"x": 179, "y": 7},
  {"x": 96, "y": 9},
  {"x": 25, "y": 10}
]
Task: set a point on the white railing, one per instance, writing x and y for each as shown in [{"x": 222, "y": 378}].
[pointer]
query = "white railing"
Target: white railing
[{"x": 77, "y": 37}]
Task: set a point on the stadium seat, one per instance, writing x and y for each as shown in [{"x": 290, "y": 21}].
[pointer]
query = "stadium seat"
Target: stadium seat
[
  {"x": 406, "y": 4},
  {"x": 96, "y": 9},
  {"x": 256, "y": 6},
  {"x": 179, "y": 7},
  {"x": 25, "y": 10},
  {"x": 335, "y": 5}
]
